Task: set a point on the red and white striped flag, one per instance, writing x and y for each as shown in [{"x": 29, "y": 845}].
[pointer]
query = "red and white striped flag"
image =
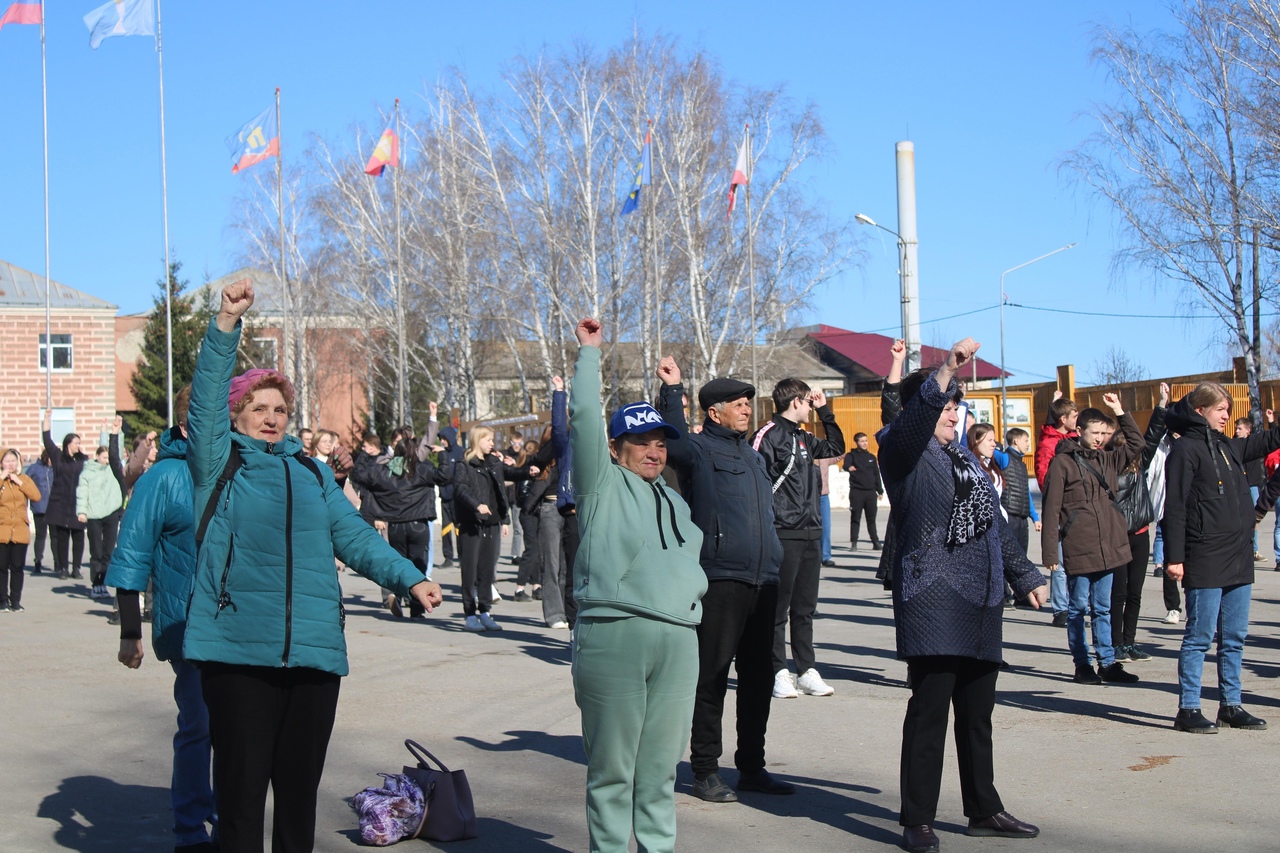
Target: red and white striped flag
[{"x": 741, "y": 169}]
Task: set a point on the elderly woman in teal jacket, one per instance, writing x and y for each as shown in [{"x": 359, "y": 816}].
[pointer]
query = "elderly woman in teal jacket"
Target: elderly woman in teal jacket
[
  {"x": 639, "y": 586},
  {"x": 265, "y": 622}
]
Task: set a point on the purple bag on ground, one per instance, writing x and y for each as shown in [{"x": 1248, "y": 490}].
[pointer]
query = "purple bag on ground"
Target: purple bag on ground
[
  {"x": 390, "y": 813},
  {"x": 451, "y": 813}
]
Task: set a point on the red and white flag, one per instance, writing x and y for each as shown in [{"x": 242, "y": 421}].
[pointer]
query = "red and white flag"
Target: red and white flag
[{"x": 741, "y": 169}]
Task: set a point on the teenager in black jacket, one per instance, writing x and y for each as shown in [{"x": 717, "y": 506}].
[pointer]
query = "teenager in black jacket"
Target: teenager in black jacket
[
  {"x": 1208, "y": 525},
  {"x": 481, "y": 512}
]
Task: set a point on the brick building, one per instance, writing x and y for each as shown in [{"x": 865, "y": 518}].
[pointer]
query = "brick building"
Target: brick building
[{"x": 83, "y": 360}]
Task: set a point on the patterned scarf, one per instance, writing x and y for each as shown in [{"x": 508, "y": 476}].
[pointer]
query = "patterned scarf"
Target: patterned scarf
[{"x": 972, "y": 512}]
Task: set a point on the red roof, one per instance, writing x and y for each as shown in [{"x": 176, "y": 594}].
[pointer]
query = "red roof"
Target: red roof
[{"x": 872, "y": 351}]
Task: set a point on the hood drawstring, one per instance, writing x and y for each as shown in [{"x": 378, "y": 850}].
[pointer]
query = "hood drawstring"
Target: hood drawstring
[{"x": 658, "y": 496}]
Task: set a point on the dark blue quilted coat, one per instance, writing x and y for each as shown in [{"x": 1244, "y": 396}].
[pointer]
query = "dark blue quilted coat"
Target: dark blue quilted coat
[{"x": 946, "y": 600}]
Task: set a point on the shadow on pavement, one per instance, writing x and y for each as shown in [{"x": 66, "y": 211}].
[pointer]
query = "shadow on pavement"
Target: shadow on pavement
[
  {"x": 98, "y": 815},
  {"x": 1056, "y": 703},
  {"x": 568, "y": 747},
  {"x": 495, "y": 835}
]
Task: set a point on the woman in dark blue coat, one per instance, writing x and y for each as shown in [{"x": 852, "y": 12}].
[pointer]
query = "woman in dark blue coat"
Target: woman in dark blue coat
[{"x": 952, "y": 553}]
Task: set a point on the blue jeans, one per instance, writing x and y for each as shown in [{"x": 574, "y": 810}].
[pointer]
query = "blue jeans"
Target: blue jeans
[
  {"x": 1227, "y": 612},
  {"x": 1091, "y": 592},
  {"x": 825, "y": 504},
  {"x": 1058, "y": 598},
  {"x": 1157, "y": 547},
  {"x": 431, "y": 548},
  {"x": 191, "y": 791},
  {"x": 1253, "y": 490}
]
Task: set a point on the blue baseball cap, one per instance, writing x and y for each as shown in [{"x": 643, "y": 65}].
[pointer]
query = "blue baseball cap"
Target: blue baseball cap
[{"x": 639, "y": 417}]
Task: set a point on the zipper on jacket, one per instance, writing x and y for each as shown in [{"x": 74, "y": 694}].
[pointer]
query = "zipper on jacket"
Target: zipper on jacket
[
  {"x": 755, "y": 510},
  {"x": 288, "y": 561},
  {"x": 224, "y": 597}
]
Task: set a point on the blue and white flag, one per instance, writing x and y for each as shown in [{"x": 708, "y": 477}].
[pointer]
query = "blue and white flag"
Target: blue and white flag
[{"x": 121, "y": 18}]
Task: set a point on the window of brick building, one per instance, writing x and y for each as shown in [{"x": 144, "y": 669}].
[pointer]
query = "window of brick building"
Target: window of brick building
[{"x": 61, "y": 352}]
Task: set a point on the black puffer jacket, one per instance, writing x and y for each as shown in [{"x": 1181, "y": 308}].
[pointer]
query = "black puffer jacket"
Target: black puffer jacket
[
  {"x": 400, "y": 498},
  {"x": 61, "y": 511},
  {"x": 1208, "y": 511},
  {"x": 480, "y": 482},
  {"x": 1016, "y": 495},
  {"x": 724, "y": 482},
  {"x": 789, "y": 453}
]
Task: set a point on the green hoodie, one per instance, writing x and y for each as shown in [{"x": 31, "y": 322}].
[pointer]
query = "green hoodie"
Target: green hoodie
[
  {"x": 639, "y": 550},
  {"x": 98, "y": 493}
]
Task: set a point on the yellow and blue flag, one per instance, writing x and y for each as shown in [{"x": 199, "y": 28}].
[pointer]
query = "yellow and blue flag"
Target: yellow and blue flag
[
  {"x": 255, "y": 142},
  {"x": 121, "y": 18},
  {"x": 644, "y": 175}
]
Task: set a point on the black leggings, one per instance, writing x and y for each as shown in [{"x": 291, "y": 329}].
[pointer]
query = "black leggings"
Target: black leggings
[
  {"x": 61, "y": 537},
  {"x": 13, "y": 560},
  {"x": 102, "y": 544},
  {"x": 411, "y": 539},
  {"x": 531, "y": 559},
  {"x": 268, "y": 726},
  {"x": 42, "y": 533},
  {"x": 1126, "y": 590},
  {"x": 478, "y": 549}
]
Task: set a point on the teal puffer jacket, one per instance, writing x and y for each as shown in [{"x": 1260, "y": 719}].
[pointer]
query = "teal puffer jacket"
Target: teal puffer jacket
[
  {"x": 157, "y": 540},
  {"x": 266, "y": 587}
]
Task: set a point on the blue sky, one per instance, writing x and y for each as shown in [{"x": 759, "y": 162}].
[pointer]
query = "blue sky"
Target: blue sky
[{"x": 993, "y": 95}]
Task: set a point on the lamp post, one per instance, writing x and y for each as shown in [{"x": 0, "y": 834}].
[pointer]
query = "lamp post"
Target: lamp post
[
  {"x": 910, "y": 331},
  {"x": 1003, "y": 299}
]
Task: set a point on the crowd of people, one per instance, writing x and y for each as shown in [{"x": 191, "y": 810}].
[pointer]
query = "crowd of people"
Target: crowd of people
[{"x": 672, "y": 552}]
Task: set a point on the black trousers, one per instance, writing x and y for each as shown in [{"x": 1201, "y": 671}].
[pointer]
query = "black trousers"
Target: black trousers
[
  {"x": 1172, "y": 594},
  {"x": 570, "y": 538},
  {"x": 737, "y": 627},
  {"x": 411, "y": 539},
  {"x": 862, "y": 502},
  {"x": 531, "y": 557},
  {"x": 62, "y": 536},
  {"x": 102, "y": 544},
  {"x": 1021, "y": 530},
  {"x": 1126, "y": 590},
  {"x": 797, "y": 600},
  {"x": 268, "y": 726},
  {"x": 13, "y": 561},
  {"x": 969, "y": 686},
  {"x": 478, "y": 550},
  {"x": 447, "y": 539},
  {"x": 42, "y": 535}
]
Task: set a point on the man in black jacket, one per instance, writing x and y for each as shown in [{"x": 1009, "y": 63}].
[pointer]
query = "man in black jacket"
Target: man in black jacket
[
  {"x": 724, "y": 482},
  {"x": 864, "y": 488},
  {"x": 788, "y": 453}
]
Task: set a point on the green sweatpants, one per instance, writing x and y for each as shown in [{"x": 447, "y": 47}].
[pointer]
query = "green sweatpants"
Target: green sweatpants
[{"x": 634, "y": 680}]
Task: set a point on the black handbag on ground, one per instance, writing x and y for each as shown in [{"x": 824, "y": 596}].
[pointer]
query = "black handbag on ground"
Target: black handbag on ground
[{"x": 451, "y": 812}]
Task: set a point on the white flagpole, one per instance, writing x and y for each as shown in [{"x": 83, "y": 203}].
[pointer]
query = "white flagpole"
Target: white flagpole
[
  {"x": 48, "y": 322},
  {"x": 164, "y": 193},
  {"x": 286, "y": 359},
  {"x": 402, "y": 378},
  {"x": 751, "y": 282}
]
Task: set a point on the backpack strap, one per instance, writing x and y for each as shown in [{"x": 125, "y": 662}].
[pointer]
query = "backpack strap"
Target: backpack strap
[{"x": 229, "y": 471}]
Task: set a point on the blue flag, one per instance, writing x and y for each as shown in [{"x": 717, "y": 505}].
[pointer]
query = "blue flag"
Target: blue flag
[
  {"x": 255, "y": 142},
  {"x": 121, "y": 18},
  {"x": 644, "y": 176}
]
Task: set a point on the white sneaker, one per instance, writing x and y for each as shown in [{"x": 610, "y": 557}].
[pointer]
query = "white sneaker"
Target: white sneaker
[
  {"x": 472, "y": 623},
  {"x": 784, "y": 685},
  {"x": 559, "y": 625},
  {"x": 1172, "y": 618},
  {"x": 811, "y": 684},
  {"x": 489, "y": 623}
]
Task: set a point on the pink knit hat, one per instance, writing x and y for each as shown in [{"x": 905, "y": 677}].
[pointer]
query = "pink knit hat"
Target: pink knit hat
[{"x": 249, "y": 380}]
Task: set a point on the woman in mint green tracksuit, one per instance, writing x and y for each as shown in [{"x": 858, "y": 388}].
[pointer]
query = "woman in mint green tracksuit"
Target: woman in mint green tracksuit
[{"x": 638, "y": 585}]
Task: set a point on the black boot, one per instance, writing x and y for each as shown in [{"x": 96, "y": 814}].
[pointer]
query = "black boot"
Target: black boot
[{"x": 1236, "y": 717}]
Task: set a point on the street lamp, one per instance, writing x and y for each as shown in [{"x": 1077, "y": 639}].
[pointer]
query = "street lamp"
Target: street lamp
[
  {"x": 1004, "y": 412},
  {"x": 909, "y": 339}
]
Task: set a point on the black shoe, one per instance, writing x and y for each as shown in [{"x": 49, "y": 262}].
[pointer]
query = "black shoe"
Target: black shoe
[
  {"x": 75, "y": 575},
  {"x": 1236, "y": 717},
  {"x": 63, "y": 575},
  {"x": 1157, "y": 572},
  {"x": 1010, "y": 604},
  {"x": 1085, "y": 674},
  {"x": 1060, "y": 619},
  {"x": 1122, "y": 654},
  {"x": 448, "y": 563},
  {"x": 1116, "y": 674},
  {"x": 521, "y": 595},
  {"x": 1192, "y": 721},
  {"x": 713, "y": 789},
  {"x": 853, "y": 546},
  {"x": 763, "y": 783},
  {"x": 146, "y": 616},
  {"x": 1002, "y": 825},
  {"x": 829, "y": 563},
  {"x": 537, "y": 594},
  {"x": 875, "y": 546},
  {"x": 114, "y": 618},
  {"x": 1136, "y": 654},
  {"x": 37, "y": 570},
  {"x": 919, "y": 839}
]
